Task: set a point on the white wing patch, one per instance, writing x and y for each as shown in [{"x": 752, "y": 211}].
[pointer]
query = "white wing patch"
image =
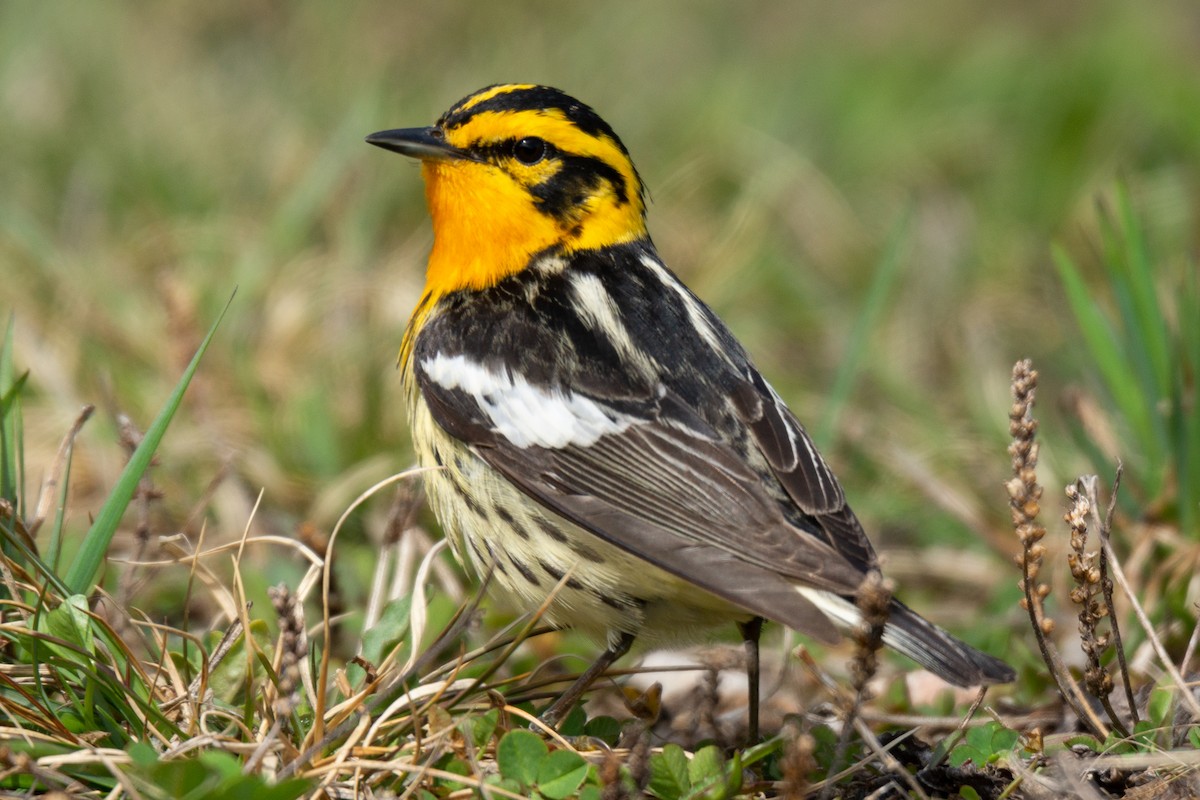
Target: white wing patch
[
  {"x": 841, "y": 610},
  {"x": 526, "y": 415}
]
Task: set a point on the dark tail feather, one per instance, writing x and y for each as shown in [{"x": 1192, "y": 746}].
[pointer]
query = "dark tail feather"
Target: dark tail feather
[{"x": 939, "y": 652}]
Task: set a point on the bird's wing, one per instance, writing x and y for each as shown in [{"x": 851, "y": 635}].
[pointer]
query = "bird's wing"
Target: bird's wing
[
  {"x": 795, "y": 461},
  {"x": 653, "y": 480}
]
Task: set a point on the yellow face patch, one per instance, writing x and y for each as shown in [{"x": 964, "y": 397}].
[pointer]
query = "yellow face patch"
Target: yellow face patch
[{"x": 493, "y": 215}]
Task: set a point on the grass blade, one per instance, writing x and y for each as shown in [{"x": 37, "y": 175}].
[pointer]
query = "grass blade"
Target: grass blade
[
  {"x": 1188, "y": 404},
  {"x": 86, "y": 566},
  {"x": 1106, "y": 350},
  {"x": 12, "y": 461},
  {"x": 1147, "y": 345},
  {"x": 1148, "y": 321},
  {"x": 887, "y": 271}
]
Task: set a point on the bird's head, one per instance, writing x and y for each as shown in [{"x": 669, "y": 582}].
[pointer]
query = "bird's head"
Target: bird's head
[{"x": 515, "y": 170}]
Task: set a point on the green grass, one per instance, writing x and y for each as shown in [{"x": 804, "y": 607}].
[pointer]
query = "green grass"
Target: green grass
[{"x": 890, "y": 204}]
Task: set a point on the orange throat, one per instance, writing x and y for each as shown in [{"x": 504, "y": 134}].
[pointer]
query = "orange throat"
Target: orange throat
[
  {"x": 483, "y": 230},
  {"x": 487, "y": 227}
]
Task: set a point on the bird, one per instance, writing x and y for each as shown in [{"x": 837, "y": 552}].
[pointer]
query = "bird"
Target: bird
[{"x": 594, "y": 433}]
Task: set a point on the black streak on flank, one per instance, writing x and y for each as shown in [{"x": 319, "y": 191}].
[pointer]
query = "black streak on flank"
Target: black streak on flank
[
  {"x": 465, "y": 494},
  {"x": 525, "y": 571},
  {"x": 511, "y": 522},
  {"x": 622, "y": 603},
  {"x": 551, "y": 530},
  {"x": 479, "y": 554}
]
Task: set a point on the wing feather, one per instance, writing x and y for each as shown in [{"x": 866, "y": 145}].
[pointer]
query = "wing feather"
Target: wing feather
[
  {"x": 800, "y": 468},
  {"x": 691, "y": 461},
  {"x": 680, "y": 499}
]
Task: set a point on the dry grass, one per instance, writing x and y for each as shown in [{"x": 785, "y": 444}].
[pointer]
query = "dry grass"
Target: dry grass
[{"x": 868, "y": 197}]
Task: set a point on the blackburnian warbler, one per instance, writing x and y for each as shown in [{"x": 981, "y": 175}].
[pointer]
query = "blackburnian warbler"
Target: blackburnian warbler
[{"x": 598, "y": 429}]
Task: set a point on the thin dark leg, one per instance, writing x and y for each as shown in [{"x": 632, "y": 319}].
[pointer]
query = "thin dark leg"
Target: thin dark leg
[
  {"x": 750, "y": 633},
  {"x": 560, "y": 707}
]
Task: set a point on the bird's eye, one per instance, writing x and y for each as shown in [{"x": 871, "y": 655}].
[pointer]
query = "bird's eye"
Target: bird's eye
[{"x": 529, "y": 150}]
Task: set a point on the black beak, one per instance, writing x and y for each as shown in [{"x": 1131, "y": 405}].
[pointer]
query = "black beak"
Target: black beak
[{"x": 427, "y": 144}]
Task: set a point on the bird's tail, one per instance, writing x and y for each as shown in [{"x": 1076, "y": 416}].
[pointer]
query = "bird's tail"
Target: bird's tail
[
  {"x": 939, "y": 652},
  {"x": 916, "y": 637}
]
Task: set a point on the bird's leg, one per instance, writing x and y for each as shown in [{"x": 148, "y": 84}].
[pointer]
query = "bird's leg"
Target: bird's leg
[
  {"x": 750, "y": 632},
  {"x": 560, "y": 707}
]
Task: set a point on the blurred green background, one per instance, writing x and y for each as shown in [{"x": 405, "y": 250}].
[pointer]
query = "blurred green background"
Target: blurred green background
[{"x": 868, "y": 193}]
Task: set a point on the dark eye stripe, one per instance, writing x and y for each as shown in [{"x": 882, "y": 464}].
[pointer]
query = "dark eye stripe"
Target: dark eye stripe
[
  {"x": 503, "y": 149},
  {"x": 575, "y": 180}
]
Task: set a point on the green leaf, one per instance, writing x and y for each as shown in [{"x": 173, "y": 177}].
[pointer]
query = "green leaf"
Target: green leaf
[
  {"x": 752, "y": 755},
  {"x": 213, "y": 774},
  {"x": 1158, "y": 709},
  {"x": 705, "y": 764},
  {"x": 979, "y": 737},
  {"x": 221, "y": 763},
  {"x": 142, "y": 754},
  {"x": 455, "y": 766},
  {"x": 384, "y": 635},
  {"x": 507, "y": 784},
  {"x": 591, "y": 792},
  {"x": 606, "y": 729},
  {"x": 81, "y": 577},
  {"x": 984, "y": 744},
  {"x": 962, "y": 754},
  {"x": 561, "y": 774},
  {"x": 1115, "y": 744},
  {"x": 1138, "y": 336},
  {"x": 712, "y": 778},
  {"x": 71, "y": 623},
  {"x": 575, "y": 723},
  {"x": 519, "y": 756},
  {"x": 1145, "y": 732},
  {"x": 1003, "y": 742},
  {"x": 733, "y": 775},
  {"x": 969, "y": 793},
  {"x": 1085, "y": 740},
  {"x": 479, "y": 729},
  {"x": 669, "y": 773}
]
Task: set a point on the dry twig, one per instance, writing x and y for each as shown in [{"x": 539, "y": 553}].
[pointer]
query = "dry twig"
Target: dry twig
[
  {"x": 873, "y": 600},
  {"x": 1024, "y": 496},
  {"x": 1089, "y": 595}
]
